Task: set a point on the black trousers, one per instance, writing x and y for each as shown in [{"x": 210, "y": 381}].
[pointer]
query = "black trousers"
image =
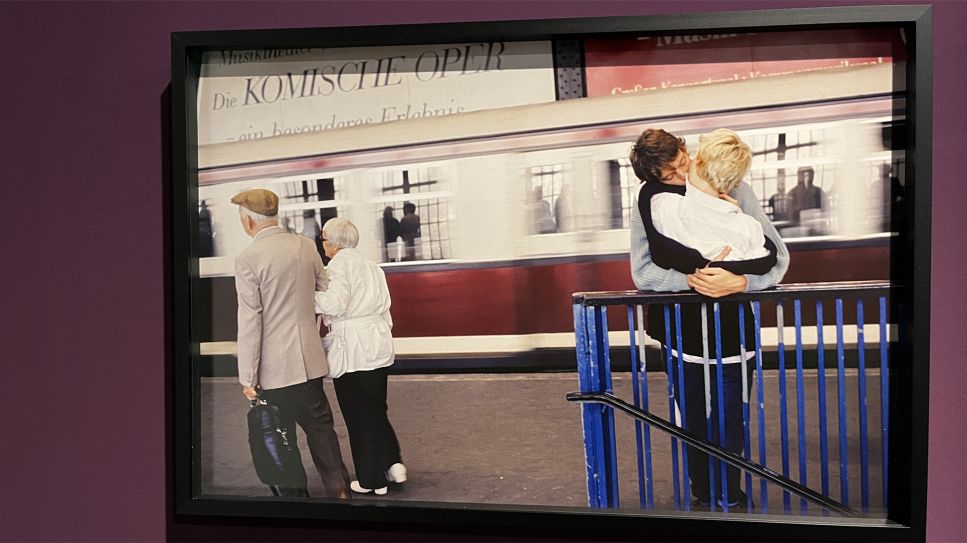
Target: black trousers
[
  {"x": 306, "y": 404},
  {"x": 699, "y": 463},
  {"x": 362, "y": 398}
]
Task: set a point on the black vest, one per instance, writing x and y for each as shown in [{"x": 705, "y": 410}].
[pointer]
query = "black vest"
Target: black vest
[{"x": 669, "y": 254}]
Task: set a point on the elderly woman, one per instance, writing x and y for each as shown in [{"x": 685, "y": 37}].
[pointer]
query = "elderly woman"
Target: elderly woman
[{"x": 359, "y": 347}]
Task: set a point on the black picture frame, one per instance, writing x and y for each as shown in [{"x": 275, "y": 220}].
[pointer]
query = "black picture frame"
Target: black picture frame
[{"x": 908, "y": 473}]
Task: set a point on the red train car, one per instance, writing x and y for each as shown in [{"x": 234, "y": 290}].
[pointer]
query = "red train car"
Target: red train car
[{"x": 521, "y": 207}]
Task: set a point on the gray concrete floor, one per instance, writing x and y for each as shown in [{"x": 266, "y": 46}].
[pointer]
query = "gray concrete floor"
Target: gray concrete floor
[{"x": 513, "y": 439}]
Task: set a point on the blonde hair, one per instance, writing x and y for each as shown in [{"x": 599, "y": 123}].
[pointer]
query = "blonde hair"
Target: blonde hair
[{"x": 722, "y": 159}]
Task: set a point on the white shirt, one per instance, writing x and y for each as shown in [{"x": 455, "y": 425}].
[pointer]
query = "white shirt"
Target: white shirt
[
  {"x": 355, "y": 307},
  {"x": 707, "y": 224}
]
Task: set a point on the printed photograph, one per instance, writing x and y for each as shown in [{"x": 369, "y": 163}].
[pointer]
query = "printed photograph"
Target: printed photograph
[{"x": 649, "y": 274}]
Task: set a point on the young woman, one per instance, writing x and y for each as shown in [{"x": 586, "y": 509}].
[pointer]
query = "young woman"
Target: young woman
[{"x": 685, "y": 227}]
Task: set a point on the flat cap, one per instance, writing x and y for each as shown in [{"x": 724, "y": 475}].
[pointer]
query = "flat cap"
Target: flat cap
[{"x": 261, "y": 201}]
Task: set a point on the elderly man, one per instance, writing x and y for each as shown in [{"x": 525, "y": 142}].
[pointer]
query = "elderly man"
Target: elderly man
[{"x": 279, "y": 350}]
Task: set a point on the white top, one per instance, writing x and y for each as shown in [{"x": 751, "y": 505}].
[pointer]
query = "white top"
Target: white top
[
  {"x": 355, "y": 307},
  {"x": 707, "y": 224},
  {"x": 649, "y": 276}
]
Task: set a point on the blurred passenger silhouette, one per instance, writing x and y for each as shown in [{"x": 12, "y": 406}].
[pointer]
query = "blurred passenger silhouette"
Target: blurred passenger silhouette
[
  {"x": 539, "y": 213},
  {"x": 410, "y": 229},
  {"x": 805, "y": 195},
  {"x": 206, "y": 240},
  {"x": 391, "y": 226}
]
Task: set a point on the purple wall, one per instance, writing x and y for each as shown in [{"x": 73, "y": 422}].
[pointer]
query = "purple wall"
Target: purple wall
[{"x": 84, "y": 343}]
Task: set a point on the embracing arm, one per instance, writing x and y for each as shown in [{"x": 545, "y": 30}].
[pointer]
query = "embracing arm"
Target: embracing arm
[
  {"x": 657, "y": 208},
  {"x": 645, "y": 273},
  {"x": 334, "y": 301},
  {"x": 322, "y": 278},
  {"x": 756, "y": 266},
  {"x": 717, "y": 282}
]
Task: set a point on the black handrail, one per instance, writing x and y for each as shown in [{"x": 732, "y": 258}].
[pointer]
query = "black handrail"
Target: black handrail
[
  {"x": 708, "y": 448},
  {"x": 780, "y": 292}
]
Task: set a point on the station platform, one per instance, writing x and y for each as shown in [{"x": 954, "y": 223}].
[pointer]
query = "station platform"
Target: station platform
[{"x": 508, "y": 439}]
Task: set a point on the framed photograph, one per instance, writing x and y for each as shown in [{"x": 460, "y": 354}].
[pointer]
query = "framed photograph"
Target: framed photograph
[{"x": 497, "y": 319}]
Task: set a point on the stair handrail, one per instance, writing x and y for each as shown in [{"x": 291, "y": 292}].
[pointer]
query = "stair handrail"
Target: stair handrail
[{"x": 709, "y": 448}]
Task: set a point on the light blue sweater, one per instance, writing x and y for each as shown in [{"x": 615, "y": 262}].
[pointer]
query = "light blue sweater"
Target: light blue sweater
[{"x": 648, "y": 276}]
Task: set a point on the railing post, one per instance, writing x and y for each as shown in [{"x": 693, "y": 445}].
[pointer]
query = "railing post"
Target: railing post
[
  {"x": 746, "y": 430},
  {"x": 821, "y": 391},
  {"x": 712, "y": 462},
  {"x": 841, "y": 400},
  {"x": 594, "y": 376},
  {"x": 864, "y": 433},
  {"x": 800, "y": 402},
  {"x": 760, "y": 402},
  {"x": 720, "y": 396},
  {"x": 783, "y": 404},
  {"x": 686, "y": 476},
  {"x": 677, "y": 492},
  {"x": 639, "y": 391},
  {"x": 592, "y": 350}
]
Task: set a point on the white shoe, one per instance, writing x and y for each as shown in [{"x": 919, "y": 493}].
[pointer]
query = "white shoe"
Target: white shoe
[
  {"x": 356, "y": 487},
  {"x": 396, "y": 473}
]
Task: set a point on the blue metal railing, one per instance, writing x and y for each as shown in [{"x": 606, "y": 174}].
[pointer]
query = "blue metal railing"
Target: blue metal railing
[
  {"x": 610, "y": 401},
  {"x": 594, "y": 370}
]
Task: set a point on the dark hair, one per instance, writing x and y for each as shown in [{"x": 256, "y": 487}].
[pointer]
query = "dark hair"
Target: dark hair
[
  {"x": 805, "y": 171},
  {"x": 388, "y": 212},
  {"x": 654, "y": 150},
  {"x": 409, "y": 208}
]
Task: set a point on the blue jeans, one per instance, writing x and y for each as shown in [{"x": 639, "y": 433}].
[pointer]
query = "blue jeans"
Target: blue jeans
[{"x": 699, "y": 463}]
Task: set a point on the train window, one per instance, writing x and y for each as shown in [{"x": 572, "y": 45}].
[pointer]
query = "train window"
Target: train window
[
  {"x": 547, "y": 200},
  {"x": 792, "y": 145},
  {"x": 415, "y": 215},
  {"x": 305, "y": 204},
  {"x": 795, "y": 172},
  {"x": 624, "y": 183},
  {"x": 298, "y": 212}
]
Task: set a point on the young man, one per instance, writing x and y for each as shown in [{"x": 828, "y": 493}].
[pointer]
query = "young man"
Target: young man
[
  {"x": 690, "y": 224},
  {"x": 661, "y": 157}
]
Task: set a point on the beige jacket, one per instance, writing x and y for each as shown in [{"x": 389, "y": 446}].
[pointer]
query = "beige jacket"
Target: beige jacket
[{"x": 278, "y": 341}]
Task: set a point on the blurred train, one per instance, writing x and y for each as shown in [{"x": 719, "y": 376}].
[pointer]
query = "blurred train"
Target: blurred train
[{"x": 520, "y": 207}]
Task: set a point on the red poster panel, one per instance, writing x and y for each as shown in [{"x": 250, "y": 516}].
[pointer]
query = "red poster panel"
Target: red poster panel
[{"x": 647, "y": 63}]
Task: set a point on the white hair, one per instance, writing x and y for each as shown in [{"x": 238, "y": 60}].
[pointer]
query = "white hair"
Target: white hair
[
  {"x": 258, "y": 218},
  {"x": 341, "y": 233}
]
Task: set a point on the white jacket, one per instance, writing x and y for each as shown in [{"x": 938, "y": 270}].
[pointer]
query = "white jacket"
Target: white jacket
[{"x": 355, "y": 307}]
